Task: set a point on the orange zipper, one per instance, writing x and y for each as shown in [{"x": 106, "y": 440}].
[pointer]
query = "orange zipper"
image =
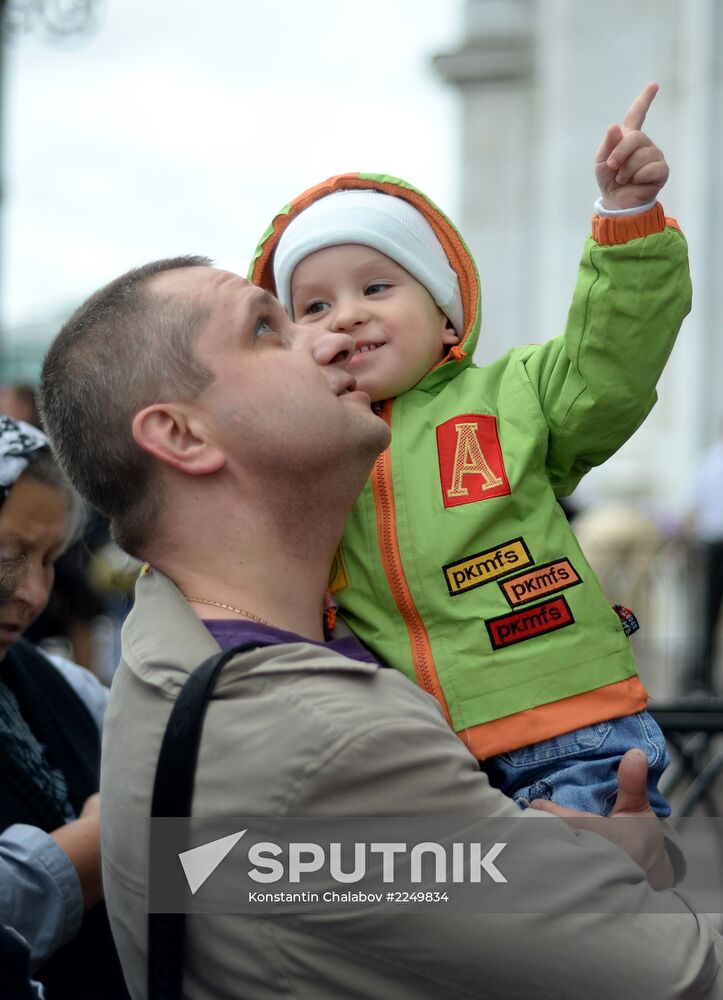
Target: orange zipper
[{"x": 383, "y": 493}]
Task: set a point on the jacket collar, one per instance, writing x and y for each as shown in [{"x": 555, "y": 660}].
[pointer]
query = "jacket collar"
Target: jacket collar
[{"x": 164, "y": 641}]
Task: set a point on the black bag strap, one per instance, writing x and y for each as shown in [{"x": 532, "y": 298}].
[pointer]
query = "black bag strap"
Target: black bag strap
[{"x": 172, "y": 796}]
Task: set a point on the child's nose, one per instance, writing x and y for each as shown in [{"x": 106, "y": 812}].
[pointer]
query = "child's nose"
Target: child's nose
[{"x": 349, "y": 314}]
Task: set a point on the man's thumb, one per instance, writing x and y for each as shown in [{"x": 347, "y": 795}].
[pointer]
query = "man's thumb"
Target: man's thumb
[{"x": 632, "y": 784}]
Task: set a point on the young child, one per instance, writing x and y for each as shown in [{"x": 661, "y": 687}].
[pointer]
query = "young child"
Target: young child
[{"x": 457, "y": 565}]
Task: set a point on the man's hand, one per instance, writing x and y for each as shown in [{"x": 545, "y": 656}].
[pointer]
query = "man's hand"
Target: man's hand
[
  {"x": 629, "y": 168},
  {"x": 631, "y": 824}
]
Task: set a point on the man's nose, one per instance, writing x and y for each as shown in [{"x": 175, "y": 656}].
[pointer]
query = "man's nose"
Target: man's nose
[{"x": 328, "y": 347}]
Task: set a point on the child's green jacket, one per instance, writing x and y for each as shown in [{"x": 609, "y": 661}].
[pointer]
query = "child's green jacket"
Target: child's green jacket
[{"x": 457, "y": 565}]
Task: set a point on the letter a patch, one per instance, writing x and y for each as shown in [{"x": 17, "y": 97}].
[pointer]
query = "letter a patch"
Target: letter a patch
[{"x": 470, "y": 459}]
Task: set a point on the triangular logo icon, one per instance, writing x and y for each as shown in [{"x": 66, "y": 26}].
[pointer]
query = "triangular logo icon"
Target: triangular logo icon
[{"x": 200, "y": 862}]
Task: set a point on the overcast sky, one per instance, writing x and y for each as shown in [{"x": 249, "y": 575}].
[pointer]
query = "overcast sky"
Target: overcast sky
[{"x": 182, "y": 126}]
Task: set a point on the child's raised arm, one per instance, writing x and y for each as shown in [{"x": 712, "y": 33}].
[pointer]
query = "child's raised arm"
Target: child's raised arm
[{"x": 629, "y": 167}]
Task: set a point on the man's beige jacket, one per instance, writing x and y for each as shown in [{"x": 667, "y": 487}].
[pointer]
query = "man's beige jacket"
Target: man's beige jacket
[{"x": 310, "y": 732}]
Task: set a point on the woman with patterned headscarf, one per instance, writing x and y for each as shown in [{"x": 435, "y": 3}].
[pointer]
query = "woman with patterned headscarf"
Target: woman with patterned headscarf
[{"x": 50, "y": 717}]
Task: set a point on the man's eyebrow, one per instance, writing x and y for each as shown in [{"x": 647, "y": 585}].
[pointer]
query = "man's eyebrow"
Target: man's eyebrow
[{"x": 264, "y": 300}]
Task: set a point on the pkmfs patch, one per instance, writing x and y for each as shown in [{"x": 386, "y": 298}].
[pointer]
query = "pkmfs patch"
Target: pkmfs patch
[
  {"x": 482, "y": 567},
  {"x": 517, "y": 626},
  {"x": 540, "y": 581},
  {"x": 470, "y": 459}
]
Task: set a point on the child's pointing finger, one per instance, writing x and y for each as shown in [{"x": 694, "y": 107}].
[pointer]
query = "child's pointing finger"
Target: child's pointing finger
[{"x": 635, "y": 115}]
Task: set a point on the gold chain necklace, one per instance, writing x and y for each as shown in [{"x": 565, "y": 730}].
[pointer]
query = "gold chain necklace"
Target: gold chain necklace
[{"x": 230, "y": 607}]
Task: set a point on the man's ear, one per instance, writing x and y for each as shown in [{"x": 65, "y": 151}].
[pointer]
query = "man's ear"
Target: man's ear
[
  {"x": 449, "y": 334},
  {"x": 176, "y": 438}
]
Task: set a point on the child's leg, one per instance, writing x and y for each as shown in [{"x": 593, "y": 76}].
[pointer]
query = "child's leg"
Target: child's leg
[{"x": 578, "y": 769}]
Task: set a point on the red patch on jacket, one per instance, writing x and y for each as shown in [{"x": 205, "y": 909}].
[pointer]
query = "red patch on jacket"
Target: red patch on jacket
[
  {"x": 506, "y": 630},
  {"x": 470, "y": 459}
]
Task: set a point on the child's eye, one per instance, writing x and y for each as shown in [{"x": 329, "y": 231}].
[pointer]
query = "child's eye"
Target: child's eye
[
  {"x": 262, "y": 328},
  {"x": 314, "y": 308},
  {"x": 376, "y": 287}
]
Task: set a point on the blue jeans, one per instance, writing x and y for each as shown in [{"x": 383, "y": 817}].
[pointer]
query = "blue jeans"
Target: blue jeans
[{"x": 578, "y": 769}]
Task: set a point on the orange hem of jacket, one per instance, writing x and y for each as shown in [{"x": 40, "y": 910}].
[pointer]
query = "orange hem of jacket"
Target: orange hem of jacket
[
  {"x": 610, "y": 230},
  {"x": 542, "y": 723}
]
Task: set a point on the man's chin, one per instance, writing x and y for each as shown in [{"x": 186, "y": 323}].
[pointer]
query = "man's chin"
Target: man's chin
[
  {"x": 371, "y": 432},
  {"x": 382, "y": 433},
  {"x": 373, "y": 436}
]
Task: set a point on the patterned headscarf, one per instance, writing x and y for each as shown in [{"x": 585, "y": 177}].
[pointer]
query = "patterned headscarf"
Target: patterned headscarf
[{"x": 18, "y": 443}]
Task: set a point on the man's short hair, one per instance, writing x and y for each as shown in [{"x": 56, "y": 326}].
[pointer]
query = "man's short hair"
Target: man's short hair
[{"x": 125, "y": 348}]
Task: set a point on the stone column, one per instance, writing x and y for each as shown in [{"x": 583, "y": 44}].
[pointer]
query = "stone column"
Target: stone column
[{"x": 493, "y": 71}]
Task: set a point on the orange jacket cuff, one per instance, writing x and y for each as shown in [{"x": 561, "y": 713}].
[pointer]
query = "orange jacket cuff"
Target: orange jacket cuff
[{"x": 608, "y": 230}]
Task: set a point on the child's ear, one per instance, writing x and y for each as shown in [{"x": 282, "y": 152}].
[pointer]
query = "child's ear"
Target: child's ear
[{"x": 449, "y": 334}]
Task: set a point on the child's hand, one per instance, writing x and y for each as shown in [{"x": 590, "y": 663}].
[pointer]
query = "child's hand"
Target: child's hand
[{"x": 629, "y": 168}]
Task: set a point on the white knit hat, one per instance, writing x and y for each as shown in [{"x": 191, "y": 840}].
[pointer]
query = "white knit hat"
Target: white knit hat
[{"x": 388, "y": 224}]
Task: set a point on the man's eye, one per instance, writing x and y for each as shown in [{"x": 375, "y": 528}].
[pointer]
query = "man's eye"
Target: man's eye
[
  {"x": 376, "y": 287},
  {"x": 262, "y": 328},
  {"x": 314, "y": 308}
]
